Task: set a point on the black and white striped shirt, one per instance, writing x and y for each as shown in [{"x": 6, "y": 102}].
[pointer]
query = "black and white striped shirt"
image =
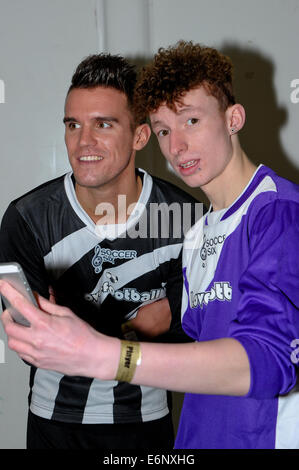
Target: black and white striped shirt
[{"x": 103, "y": 274}]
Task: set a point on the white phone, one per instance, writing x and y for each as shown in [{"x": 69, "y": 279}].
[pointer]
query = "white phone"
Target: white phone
[{"x": 13, "y": 273}]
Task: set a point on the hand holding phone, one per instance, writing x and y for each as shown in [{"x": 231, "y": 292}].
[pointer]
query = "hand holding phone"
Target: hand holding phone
[{"x": 13, "y": 273}]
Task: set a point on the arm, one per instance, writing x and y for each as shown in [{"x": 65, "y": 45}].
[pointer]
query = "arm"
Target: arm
[
  {"x": 218, "y": 367},
  {"x": 162, "y": 319},
  {"x": 268, "y": 311},
  {"x": 152, "y": 320},
  {"x": 59, "y": 340},
  {"x": 257, "y": 354}
]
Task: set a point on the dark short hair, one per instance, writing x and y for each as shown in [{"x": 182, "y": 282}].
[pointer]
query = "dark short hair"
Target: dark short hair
[
  {"x": 108, "y": 71},
  {"x": 178, "y": 69}
]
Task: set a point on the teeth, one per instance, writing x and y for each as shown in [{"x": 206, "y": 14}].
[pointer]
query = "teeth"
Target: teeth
[
  {"x": 90, "y": 158},
  {"x": 188, "y": 164}
]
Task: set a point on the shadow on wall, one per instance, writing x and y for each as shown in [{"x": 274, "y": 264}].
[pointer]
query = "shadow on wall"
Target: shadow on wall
[
  {"x": 260, "y": 137},
  {"x": 254, "y": 89}
]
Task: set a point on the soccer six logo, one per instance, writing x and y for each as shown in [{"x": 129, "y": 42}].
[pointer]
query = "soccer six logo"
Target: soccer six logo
[
  {"x": 105, "y": 255},
  {"x": 209, "y": 246}
]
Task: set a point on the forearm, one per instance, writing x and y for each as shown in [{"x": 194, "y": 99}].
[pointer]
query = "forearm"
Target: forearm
[
  {"x": 218, "y": 367},
  {"x": 58, "y": 340}
]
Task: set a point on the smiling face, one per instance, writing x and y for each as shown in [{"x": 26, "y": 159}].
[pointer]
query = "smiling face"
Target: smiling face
[
  {"x": 195, "y": 137},
  {"x": 99, "y": 136}
]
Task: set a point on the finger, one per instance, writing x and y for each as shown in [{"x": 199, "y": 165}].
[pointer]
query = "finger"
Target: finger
[
  {"x": 6, "y": 318},
  {"x": 15, "y": 331},
  {"x": 27, "y": 359},
  {"x": 52, "y": 308},
  {"x": 26, "y": 308},
  {"x": 21, "y": 348}
]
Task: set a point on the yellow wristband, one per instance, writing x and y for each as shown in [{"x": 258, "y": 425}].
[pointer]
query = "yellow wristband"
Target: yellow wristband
[{"x": 130, "y": 357}]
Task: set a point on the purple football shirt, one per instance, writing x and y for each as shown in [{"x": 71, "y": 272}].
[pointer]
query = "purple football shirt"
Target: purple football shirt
[{"x": 241, "y": 272}]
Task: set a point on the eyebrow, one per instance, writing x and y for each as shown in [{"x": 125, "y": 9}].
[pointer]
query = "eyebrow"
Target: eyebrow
[
  {"x": 68, "y": 119},
  {"x": 157, "y": 123},
  {"x": 185, "y": 109},
  {"x": 96, "y": 118}
]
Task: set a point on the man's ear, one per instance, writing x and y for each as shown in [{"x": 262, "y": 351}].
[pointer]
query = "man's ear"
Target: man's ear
[
  {"x": 236, "y": 117},
  {"x": 141, "y": 136}
]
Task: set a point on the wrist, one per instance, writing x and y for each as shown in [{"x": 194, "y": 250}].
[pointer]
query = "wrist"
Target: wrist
[
  {"x": 130, "y": 358},
  {"x": 107, "y": 357}
]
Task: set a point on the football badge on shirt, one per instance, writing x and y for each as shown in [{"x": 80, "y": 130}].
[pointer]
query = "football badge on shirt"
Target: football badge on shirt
[
  {"x": 106, "y": 255},
  {"x": 210, "y": 246}
]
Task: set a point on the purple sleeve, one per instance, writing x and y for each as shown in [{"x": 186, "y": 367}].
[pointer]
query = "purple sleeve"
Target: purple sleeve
[{"x": 268, "y": 312}]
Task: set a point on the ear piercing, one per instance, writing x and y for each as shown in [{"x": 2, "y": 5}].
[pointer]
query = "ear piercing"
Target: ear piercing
[{"x": 233, "y": 130}]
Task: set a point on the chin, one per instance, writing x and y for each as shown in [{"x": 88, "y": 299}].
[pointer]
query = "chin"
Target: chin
[
  {"x": 193, "y": 181},
  {"x": 88, "y": 182}
]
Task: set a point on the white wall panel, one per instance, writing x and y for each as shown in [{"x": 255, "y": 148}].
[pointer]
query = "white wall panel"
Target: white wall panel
[
  {"x": 127, "y": 30},
  {"x": 40, "y": 44}
]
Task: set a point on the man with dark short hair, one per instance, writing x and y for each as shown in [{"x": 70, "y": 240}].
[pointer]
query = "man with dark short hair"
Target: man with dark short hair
[{"x": 86, "y": 235}]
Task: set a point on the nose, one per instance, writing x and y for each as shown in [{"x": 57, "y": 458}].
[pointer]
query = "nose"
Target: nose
[
  {"x": 177, "y": 143},
  {"x": 87, "y": 137}
]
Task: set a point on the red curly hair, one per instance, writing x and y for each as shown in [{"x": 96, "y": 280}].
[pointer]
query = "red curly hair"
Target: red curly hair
[{"x": 178, "y": 69}]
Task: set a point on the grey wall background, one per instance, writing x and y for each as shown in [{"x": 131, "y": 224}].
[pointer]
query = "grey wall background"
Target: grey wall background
[{"x": 42, "y": 41}]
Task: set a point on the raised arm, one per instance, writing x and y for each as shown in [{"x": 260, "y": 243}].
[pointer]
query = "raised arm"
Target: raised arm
[{"x": 59, "y": 340}]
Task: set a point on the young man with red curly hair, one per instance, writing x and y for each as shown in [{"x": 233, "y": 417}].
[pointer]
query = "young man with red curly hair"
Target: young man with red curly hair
[{"x": 240, "y": 266}]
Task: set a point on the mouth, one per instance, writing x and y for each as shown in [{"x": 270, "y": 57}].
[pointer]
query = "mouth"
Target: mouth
[
  {"x": 188, "y": 164},
  {"x": 189, "y": 167},
  {"x": 90, "y": 158}
]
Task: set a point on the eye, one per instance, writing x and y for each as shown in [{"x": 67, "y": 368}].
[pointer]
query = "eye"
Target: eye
[
  {"x": 162, "y": 133},
  {"x": 73, "y": 125},
  {"x": 104, "y": 125},
  {"x": 192, "y": 121}
]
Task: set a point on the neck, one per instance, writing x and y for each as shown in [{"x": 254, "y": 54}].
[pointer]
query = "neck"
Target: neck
[
  {"x": 232, "y": 181},
  {"x": 109, "y": 204}
]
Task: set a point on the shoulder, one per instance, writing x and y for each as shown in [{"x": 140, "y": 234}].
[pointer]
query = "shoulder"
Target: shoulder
[
  {"x": 37, "y": 206},
  {"x": 40, "y": 196},
  {"x": 274, "y": 226},
  {"x": 277, "y": 219},
  {"x": 279, "y": 204}
]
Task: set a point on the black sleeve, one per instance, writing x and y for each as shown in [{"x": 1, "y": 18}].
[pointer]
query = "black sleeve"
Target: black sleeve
[
  {"x": 17, "y": 244},
  {"x": 174, "y": 290}
]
